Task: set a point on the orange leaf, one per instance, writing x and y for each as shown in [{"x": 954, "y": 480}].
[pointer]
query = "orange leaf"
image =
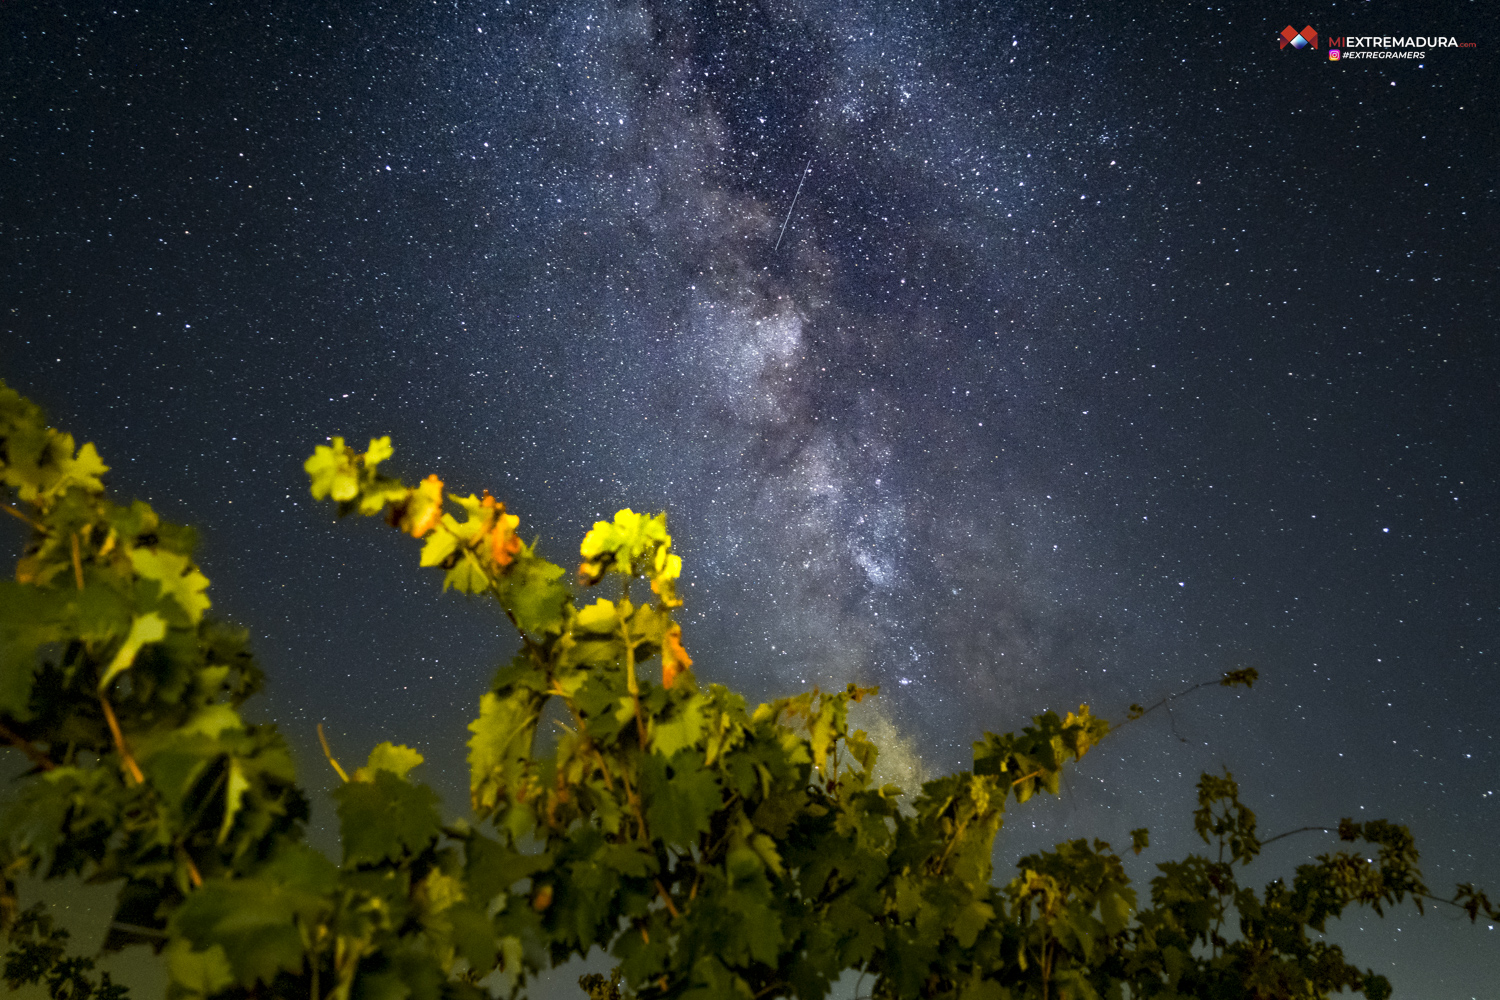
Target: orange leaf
[
  {"x": 674, "y": 659},
  {"x": 504, "y": 545},
  {"x": 424, "y": 508}
]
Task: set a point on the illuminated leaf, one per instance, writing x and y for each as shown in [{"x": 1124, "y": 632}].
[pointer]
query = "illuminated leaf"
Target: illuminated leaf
[
  {"x": 501, "y": 745},
  {"x": 534, "y": 592},
  {"x": 674, "y": 659},
  {"x": 441, "y": 545},
  {"x": 598, "y": 618},
  {"x": 687, "y": 725},
  {"x": 178, "y": 579},
  {"x": 145, "y": 629},
  {"x": 421, "y": 509},
  {"x": 467, "y": 575},
  {"x": 396, "y": 759},
  {"x": 198, "y": 973},
  {"x": 234, "y": 795},
  {"x": 333, "y": 471}
]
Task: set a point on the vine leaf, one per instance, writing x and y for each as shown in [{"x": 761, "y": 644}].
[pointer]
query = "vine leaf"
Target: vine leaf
[
  {"x": 681, "y": 796},
  {"x": 383, "y": 818},
  {"x": 177, "y": 579},
  {"x": 391, "y": 757},
  {"x": 145, "y": 629}
]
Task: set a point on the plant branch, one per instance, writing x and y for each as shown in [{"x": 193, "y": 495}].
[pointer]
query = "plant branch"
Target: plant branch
[
  {"x": 630, "y": 682},
  {"x": 77, "y": 561},
  {"x": 138, "y": 930},
  {"x": 24, "y": 745},
  {"x": 13, "y": 512},
  {"x": 583, "y": 730},
  {"x": 666, "y": 898},
  {"x": 126, "y": 761},
  {"x": 1300, "y": 829},
  {"x": 328, "y": 752},
  {"x": 1232, "y": 678},
  {"x": 192, "y": 869}
]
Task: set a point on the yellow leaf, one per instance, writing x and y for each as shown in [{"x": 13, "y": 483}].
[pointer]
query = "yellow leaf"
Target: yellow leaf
[
  {"x": 598, "y": 618},
  {"x": 380, "y": 449},
  {"x": 147, "y": 628},
  {"x": 392, "y": 757},
  {"x": 440, "y": 545},
  {"x": 234, "y": 794},
  {"x": 422, "y": 509}
]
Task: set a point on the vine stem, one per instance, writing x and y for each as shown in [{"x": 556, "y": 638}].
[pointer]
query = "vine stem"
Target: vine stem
[
  {"x": 193, "y": 875},
  {"x": 77, "y": 561},
  {"x": 1230, "y": 679},
  {"x": 21, "y": 743},
  {"x": 1167, "y": 701},
  {"x": 666, "y": 898},
  {"x": 1300, "y": 829},
  {"x": 583, "y": 731},
  {"x": 631, "y": 684},
  {"x": 328, "y": 752},
  {"x": 126, "y": 761},
  {"x": 22, "y": 518}
]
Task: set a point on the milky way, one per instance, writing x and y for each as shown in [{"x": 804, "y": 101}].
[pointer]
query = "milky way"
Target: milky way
[{"x": 1102, "y": 352}]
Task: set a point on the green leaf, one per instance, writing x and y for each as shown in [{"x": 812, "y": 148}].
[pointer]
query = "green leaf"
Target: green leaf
[
  {"x": 681, "y": 796},
  {"x": 687, "y": 725},
  {"x": 598, "y": 618},
  {"x": 198, "y": 973},
  {"x": 255, "y": 920},
  {"x": 712, "y": 981},
  {"x": 467, "y": 575},
  {"x": 473, "y": 936},
  {"x": 492, "y": 868},
  {"x": 234, "y": 795},
  {"x": 384, "y": 818},
  {"x": 501, "y": 745},
  {"x": 36, "y": 460},
  {"x": 756, "y": 927},
  {"x": 984, "y": 989},
  {"x": 396, "y": 759},
  {"x": 179, "y": 580},
  {"x": 1116, "y": 906},
  {"x": 535, "y": 593},
  {"x": 972, "y": 919},
  {"x": 29, "y": 619},
  {"x": 103, "y": 612}
]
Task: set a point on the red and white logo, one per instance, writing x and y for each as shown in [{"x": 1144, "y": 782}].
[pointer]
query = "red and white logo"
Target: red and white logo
[{"x": 1304, "y": 39}]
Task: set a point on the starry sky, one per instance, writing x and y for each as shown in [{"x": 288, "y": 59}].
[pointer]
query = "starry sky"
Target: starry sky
[{"x": 1102, "y": 351}]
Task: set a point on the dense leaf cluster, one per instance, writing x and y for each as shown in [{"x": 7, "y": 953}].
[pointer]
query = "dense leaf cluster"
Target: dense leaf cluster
[{"x": 714, "y": 849}]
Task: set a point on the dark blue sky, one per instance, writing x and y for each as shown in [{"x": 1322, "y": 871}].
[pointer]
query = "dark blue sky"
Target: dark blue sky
[{"x": 1102, "y": 353}]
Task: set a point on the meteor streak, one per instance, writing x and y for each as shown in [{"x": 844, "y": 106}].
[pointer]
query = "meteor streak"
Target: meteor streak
[{"x": 794, "y": 205}]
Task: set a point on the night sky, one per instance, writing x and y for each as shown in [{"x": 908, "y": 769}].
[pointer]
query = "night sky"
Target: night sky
[{"x": 1103, "y": 352}]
